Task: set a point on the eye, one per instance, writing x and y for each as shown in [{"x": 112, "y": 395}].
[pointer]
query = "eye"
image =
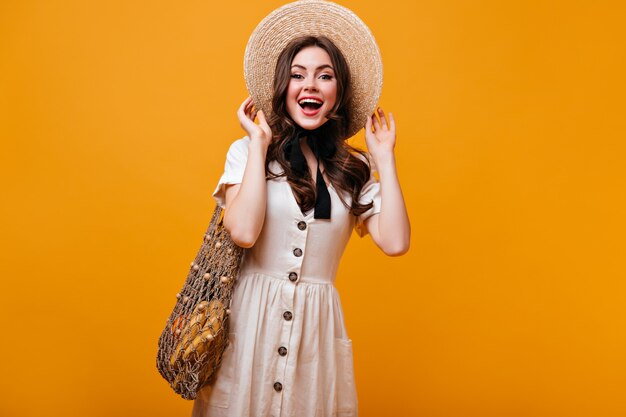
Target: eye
[
  {"x": 297, "y": 76},
  {"x": 326, "y": 77}
]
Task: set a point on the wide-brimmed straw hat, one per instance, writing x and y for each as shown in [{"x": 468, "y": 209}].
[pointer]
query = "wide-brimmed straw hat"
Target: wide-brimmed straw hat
[{"x": 316, "y": 18}]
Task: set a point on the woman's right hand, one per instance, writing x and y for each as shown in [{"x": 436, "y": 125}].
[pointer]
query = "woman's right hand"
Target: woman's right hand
[
  {"x": 246, "y": 114},
  {"x": 246, "y": 202}
]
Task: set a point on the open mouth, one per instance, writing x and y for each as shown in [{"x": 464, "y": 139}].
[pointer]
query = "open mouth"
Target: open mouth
[{"x": 310, "y": 104}]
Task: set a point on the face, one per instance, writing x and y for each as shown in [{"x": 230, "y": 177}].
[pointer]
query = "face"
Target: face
[{"x": 312, "y": 90}]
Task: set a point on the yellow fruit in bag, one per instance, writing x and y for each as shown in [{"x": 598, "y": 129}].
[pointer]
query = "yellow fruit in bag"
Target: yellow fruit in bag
[{"x": 198, "y": 318}]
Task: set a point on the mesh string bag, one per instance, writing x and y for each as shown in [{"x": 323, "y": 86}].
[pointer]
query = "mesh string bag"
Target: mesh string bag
[{"x": 196, "y": 333}]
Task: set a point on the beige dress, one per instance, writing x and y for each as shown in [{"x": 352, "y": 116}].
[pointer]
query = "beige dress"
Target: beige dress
[{"x": 289, "y": 353}]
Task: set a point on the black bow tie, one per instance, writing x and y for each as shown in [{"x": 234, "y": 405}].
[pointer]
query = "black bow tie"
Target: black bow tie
[{"x": 320, "y": 148}]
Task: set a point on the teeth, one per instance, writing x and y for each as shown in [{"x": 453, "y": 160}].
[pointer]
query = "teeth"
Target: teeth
[{"x": 309, "y": 100}]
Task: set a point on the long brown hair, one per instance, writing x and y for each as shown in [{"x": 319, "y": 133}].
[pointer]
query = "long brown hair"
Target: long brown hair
[{"x": 345, "y": 169}]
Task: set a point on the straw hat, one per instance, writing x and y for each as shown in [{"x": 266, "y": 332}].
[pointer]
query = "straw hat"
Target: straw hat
[{"x": 316, "y": 18}]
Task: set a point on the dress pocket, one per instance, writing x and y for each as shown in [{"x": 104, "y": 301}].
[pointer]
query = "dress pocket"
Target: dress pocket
[
  {"x": 346, "y": 388},
  {"x": 219, "y": 394}
]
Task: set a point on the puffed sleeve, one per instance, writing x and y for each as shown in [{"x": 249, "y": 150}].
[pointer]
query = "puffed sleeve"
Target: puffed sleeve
[
  {"x": 369, "y": 192},
  {"x": 234, "y": 167}
]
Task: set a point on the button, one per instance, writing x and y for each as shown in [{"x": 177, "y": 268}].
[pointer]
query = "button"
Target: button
[
  {"x": 301, "y": 225},
  {"x": 293, "y": 277},
  {"x": 287, "y": 315},
  {"x": 278, "y": 386},
  {"x": 282, "y": 351},
  {"x": 297, "y": 252}
]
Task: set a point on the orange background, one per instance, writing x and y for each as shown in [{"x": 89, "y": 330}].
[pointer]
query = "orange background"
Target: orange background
[{"x": 115, "y": 118}]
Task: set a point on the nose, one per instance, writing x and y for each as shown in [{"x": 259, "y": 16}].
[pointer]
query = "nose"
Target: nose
[{"x": 310, "y": 85}]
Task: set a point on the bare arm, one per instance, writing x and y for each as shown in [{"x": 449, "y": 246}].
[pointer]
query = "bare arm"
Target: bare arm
[
  {"x": 390, "y": 229},
  {"x": 245, "y": 203}
]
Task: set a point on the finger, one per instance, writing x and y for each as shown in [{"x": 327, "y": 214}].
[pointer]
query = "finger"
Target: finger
[
  {"x": 243, "y": 109},
  {"x": 376, "y": 124},
  {"x": 370, "y": 136},
  {"x": 250, "y": 106},
  {"x": 368, "y": 132},
  {"x": 392, "y": 122},
  {"x": 251, "y": 111},
  {"x": 246, "y": 102},
  {"x": 262, "y": 120},
  {"x": 383, "y": 119},
  {"x": 253, "y": 116},
  {"x": 243, "y": 113}
]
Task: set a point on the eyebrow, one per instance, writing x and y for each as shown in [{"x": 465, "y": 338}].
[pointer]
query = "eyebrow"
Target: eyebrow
[{"x": 318, "y": 68}]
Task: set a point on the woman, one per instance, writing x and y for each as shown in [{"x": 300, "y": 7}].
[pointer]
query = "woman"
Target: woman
[{"x": 293, "y": 190}]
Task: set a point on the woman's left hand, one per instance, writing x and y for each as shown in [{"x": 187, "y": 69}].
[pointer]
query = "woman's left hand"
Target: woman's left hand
[
  {"x": 390, "y": 228},
  {"x": 380, "y": 140}
]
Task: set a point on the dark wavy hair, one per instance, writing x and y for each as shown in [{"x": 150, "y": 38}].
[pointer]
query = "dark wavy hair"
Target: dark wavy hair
[{"x": 347, "y": 167}]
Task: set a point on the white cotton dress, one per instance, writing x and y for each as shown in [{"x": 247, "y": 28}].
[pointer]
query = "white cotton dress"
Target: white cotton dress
[{"x": 289, "y": 354}]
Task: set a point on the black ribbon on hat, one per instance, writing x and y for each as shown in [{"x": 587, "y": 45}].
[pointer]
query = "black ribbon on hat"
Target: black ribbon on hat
[{"x": 321, "y": 149}]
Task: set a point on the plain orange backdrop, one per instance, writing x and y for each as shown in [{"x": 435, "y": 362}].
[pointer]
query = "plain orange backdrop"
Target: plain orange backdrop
[{"x": 115, "y": 119}]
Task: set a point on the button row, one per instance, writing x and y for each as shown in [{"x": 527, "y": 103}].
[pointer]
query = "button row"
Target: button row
[{"x": 288, "y": 315}]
